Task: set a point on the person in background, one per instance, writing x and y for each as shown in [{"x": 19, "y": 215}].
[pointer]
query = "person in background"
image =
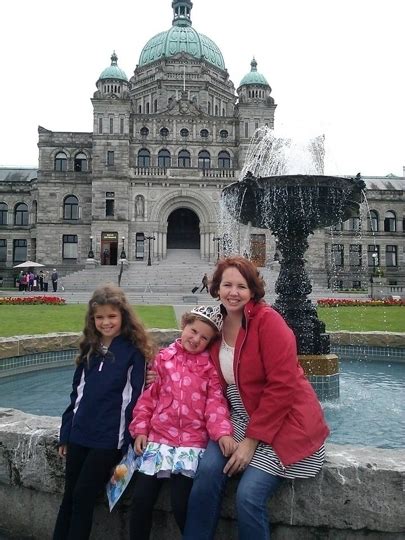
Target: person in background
[
  {"x": 108, "y": 380},
  {"x": 54, "y": 279},
  {"x": 278, "y": 421},
  {"x": 204, "y": 283},
  {"x": 175, "y": 417}
]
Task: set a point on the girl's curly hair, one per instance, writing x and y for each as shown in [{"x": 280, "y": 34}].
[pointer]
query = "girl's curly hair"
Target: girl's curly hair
[{"x": 131, "y": 328}]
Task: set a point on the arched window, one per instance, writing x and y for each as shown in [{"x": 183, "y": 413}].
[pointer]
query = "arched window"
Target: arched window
[
  {"x": 61, "y": 162},
  {"x": 164, "y": 158},
  {"x": 144, "y": 131},
  {"x": 224, "y": 160},
  {"x": 216, "y": 110},
  {"x": 21, "y": 214},
  {"x": 184, "y": 159},
  {"x": 80, "y": 163},
  {"x": 204, "y": 160},
  {"x": 184, "y": 132},
  {"x": 209, "y": 107},
  {"x": 155, "y": 105},
  {"x": 143, "y": 158},
  {"x": 390, "y": 222},
  {"x": 223, "y": 134},
  {"x": 147, "y": 108},
  {"x": 70, "y": 207},
  {"x": 373, "y": 221},
  {"x": 164, "y": 132},
  {"x": 3, "y": 213},
  {"x": 204, "y": 133}
]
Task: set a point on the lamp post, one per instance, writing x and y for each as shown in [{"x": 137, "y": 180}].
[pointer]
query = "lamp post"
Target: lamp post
[
  {"x": 90, "y": 255},
  {"x": 217, "y": 239},
  {"x": 149, "y": 238},
  {"x": 123, "y": 254}
]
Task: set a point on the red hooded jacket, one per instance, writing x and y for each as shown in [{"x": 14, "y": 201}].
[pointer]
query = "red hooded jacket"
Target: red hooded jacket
[{"x": 283, "y": 408}]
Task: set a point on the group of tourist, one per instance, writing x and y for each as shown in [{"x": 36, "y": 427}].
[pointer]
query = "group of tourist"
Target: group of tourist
[
  {"x": 228, "y": 398},
  {"x": 28, "y": 281}
]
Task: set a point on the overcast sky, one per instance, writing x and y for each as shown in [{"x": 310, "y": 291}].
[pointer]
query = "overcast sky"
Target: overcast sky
[{"x": 336, "y": 67}]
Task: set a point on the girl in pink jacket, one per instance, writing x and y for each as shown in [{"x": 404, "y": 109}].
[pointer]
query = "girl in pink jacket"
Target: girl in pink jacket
[{"x": 175, "y": 417}]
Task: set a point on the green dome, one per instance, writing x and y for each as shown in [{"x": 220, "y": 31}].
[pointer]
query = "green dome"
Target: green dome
[
  {"x": 253, "y": 77},
  {"x": 181, "y": 38},
  {"x": 113, "y": 71}
]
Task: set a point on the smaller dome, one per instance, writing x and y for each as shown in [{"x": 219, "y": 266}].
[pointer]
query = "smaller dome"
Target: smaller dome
[
  {"x": 113, "y": 71},
  {"x": 254, "y": 77}
]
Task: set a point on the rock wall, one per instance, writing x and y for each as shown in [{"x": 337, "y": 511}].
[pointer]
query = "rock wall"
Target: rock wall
[{"x": 359, "y": 493}]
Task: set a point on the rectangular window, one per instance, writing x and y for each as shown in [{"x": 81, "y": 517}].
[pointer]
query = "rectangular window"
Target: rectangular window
[
  {"x": 111, "y": 125},
  {"x": 19, "y": 251},
  {"x": 121, "y": 126},
  {"x": 356, "y": 284},
  {"x": 110, "y": 157},
  {"x": 391, "y": 255},
  {"x": 69, "y": 246},
  {"x": 109, "y": 208},
  {"x": 246, "y": 130},
  {"x": 100, "y": 125},
  {"x": 337, "y": 254},
  {"x": 354, "y": 224},
  {"x": 3, "y": 250},
  {"x": 373, "y": 256},
  {"x": 355, "y": 255}
]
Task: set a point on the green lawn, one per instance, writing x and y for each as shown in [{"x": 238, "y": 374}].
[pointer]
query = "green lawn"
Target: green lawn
[
  {"x": 42, "y": 319},
  {"x": 364, "y": 318}
]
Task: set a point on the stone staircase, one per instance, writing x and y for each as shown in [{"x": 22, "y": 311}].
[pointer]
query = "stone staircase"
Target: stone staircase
[{"x": 164, "y": 282}]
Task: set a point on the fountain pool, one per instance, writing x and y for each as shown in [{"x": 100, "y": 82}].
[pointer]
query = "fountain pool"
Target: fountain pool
[{"x": 370, "y": 412}]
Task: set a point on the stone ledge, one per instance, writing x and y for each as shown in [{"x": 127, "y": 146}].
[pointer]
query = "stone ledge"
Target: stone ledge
[
  {"x": 359, "y": 493},
  {"x": 370, "y": 339}
]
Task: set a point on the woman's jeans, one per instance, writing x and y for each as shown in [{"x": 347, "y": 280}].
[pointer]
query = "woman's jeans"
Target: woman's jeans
[{"x": 254, "y": 490}]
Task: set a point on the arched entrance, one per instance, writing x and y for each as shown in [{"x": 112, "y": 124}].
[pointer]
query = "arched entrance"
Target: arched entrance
[{"x": 183, "y": 230}]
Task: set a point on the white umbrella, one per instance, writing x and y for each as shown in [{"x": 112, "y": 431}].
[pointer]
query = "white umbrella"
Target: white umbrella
[{"x": 28, "y": 264}]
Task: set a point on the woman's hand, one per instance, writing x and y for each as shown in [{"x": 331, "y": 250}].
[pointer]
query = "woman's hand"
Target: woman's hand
[
  {"x": 241, "y": 457},
  {"x": 140, "y": 444},
  {"x": 227, "y": 445},
  {"x": 62, "y": 450},
  {"x": 151, "y": 377}
]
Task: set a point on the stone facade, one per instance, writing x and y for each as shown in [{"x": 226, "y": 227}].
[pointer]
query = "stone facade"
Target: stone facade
[{"x": 148, "y": 178}]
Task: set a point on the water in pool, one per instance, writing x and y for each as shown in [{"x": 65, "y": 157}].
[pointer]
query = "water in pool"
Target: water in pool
[{"x": 370, "y": 411}]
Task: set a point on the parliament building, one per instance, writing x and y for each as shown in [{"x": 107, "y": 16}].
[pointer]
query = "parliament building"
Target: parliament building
[{"x": 148, "y": 177}]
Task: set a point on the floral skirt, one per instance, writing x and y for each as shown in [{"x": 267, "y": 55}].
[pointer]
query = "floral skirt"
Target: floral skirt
[{"x": 163, "y": 460}]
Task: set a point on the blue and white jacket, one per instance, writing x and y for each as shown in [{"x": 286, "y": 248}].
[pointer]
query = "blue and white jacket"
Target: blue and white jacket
[{"x": 104, "y": 394}]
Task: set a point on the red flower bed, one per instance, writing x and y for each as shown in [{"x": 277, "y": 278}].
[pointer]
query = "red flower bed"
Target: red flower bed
[
  {"x": 348, "y": 302},
  {"x": 29, "y": 300}
]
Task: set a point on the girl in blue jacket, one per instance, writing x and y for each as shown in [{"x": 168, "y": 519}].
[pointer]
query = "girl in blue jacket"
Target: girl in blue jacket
[{"x": 108, "y": 380}]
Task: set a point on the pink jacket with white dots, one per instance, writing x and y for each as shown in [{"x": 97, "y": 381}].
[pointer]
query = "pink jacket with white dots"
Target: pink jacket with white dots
[{"x": 185, "y": 406}]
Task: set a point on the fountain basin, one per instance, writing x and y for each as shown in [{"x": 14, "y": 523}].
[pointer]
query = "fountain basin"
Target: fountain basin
[{"x": 293, "y": 202}]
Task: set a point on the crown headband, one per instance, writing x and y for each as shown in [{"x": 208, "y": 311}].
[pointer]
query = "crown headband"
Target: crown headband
[{"x": 212, "y": 313}]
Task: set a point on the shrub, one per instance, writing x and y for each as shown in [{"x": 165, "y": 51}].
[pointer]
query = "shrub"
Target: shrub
[
  {"x": 348, "y": 302},
  {"x": 27, "y": 300}
]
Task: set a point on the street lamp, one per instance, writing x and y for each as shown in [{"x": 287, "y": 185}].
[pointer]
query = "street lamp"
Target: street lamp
[
  {"x": 217, "y": 239},
  {"x": 123, "y": 254},
  {"x": 91, "y": 252},
  {"x": 149, "y": 238}
]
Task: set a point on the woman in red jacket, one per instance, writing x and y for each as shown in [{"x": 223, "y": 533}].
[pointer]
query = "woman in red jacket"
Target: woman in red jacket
[{"x": 278, "y": 421}]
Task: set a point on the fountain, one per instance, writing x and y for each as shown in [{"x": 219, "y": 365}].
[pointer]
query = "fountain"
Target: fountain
[{"x": 292, "y": 206}]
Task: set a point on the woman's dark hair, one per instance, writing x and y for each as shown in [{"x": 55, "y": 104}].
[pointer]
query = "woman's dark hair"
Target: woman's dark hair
[
  {"x": 131, "y": 326},
  {"x": 246, "y": 268}
]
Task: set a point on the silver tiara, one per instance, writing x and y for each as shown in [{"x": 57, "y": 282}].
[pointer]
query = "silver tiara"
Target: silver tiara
[{"x": 212, "y": 313}]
